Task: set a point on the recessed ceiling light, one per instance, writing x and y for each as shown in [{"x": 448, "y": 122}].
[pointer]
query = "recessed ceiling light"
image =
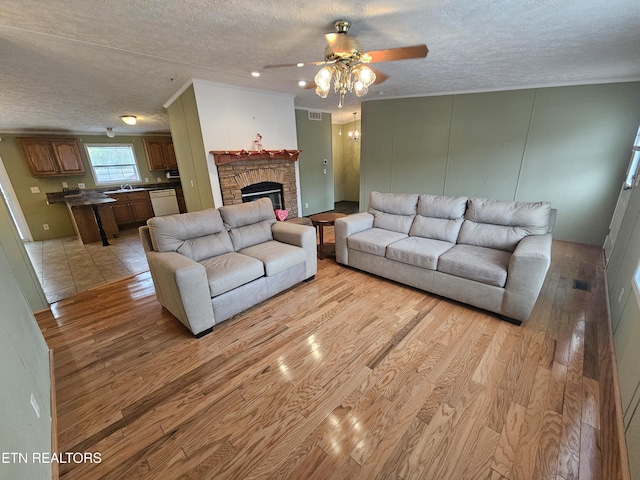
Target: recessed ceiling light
[
  {"x": 255, "y": 74},
  {"x": 302, "y": 83},
  {"x": 300, "y": 65}
]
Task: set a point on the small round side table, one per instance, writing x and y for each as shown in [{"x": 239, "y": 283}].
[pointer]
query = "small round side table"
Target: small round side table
[{"x": 321, "y": 220}]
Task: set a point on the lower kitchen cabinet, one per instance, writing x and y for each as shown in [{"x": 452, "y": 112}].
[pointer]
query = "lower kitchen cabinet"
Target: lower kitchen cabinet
[{"x": 131, "y": 208}]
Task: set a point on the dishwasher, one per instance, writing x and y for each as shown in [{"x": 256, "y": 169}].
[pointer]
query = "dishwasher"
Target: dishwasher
[{"x": 164, "y": 202}]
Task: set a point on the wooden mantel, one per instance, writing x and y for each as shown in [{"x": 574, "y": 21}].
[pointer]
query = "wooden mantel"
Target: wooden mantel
[{"x": 229, "y": 156}]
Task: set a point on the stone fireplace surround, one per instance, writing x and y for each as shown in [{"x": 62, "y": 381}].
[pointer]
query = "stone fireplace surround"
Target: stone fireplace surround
[{"x": 242, "y": 173}]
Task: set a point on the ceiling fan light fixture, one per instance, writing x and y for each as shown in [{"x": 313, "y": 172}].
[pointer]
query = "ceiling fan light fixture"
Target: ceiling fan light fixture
[
  {"x": 129, "y": 119},
  {"x": 364, "y": 74},
  {"x": 323, "y": 81}
]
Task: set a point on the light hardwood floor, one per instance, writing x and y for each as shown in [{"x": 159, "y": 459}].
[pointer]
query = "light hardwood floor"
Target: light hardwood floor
[{"x": 348, "y": 376}]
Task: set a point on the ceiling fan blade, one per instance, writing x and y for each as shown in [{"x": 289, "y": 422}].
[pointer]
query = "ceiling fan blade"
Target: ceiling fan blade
[
  {"x": 400, "y": 53},
  {"x": 302, "y": 64}
]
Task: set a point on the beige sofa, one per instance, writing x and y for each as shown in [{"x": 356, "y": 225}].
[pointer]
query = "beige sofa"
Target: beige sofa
[
  {"x": 487, "y": 253},
  {"x": 209, "y": 265}
]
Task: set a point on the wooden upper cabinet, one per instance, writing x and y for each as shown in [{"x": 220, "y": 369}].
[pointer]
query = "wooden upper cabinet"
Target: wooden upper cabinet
[
  {"x": 47, "y": 157},
  {"x": 160, "y": 153}
]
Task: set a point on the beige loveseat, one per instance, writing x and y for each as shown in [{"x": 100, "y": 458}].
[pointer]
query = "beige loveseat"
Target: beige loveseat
[
  {"x": 209, "y": 265},
  {"x": 487, "y": 253}
]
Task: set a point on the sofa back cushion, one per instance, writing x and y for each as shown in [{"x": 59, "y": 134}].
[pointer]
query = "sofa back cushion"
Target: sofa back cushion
[
  {"x": 439, "y": 217},
  {"x": 197, "y": 235},
  {"x": 249, "y": 223},
  {"x": 393, "y": 211},
  {"x": 501, "y": 225}
]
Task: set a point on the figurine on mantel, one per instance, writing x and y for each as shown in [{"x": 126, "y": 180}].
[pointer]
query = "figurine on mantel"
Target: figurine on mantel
[{"x": 257, "y": 143}]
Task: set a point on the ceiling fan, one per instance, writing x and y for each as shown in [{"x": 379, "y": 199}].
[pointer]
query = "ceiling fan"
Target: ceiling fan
[{"x": 346, "y": 63}]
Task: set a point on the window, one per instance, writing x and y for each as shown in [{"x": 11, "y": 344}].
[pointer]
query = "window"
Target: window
[
  {"x": 632, "y": 173},
  {"x": 636, "y": 283},
  {"x": 113, "y": 163}
]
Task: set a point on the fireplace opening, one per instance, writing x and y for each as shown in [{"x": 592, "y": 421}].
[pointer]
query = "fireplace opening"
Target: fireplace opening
[{"x": 270, "y": 190}]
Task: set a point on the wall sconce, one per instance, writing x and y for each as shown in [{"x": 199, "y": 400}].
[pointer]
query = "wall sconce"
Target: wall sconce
[
  {"x": 110, "y": 132},
  {"x": 129, "y": 119}
]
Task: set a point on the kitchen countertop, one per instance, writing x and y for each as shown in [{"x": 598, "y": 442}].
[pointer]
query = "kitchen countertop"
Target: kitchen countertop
[
  {"x": 85, "y": 195},
  {"x": 92, "y": 199}
]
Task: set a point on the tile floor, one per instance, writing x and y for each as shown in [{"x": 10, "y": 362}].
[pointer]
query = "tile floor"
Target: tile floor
[{"x": 65, "y": 266}]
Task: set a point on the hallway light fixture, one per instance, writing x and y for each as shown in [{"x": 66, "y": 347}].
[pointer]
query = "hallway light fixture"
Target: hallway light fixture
[{"x": 354, "y": 135}]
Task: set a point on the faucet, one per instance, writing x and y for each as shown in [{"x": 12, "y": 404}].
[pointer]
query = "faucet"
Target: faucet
[{"x": 126, "y": 186}]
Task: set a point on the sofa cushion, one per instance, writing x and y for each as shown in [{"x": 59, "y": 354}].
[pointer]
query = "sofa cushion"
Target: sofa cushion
[
  {"x": 374, "y": 240},
  {"x": 197, "y": 235},
  {"x": 439, "y": 206},
  {"x": 436, "y": 228},
  {"x": 421, "y": 252},
  {"x": 249, "y": 223},
  {"x": 501, "y": 225},
  {"x": 393, "y": 211},
  {"x": 485, "y": 265},
  {"x": 276, "y": 256},
  {"x": 230, "y": 270},
  {"x": 438, "y": 217}
]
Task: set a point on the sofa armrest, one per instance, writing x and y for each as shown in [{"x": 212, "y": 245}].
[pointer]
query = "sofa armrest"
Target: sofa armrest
[
  {"x": 344, "y": 227},
  {"x": 301, "y": 236},
  {"x": 182, "y": 288},
  {"x": 527, "y": 270}
]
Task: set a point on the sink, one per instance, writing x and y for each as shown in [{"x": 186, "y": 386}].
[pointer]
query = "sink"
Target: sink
[{"x": 125, "y": 190}]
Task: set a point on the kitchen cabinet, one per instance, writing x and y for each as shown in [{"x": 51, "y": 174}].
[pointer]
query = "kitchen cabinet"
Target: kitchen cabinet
[
  {"x": 134, "y": 207},
  {"x": 160, "y": 153},
  {"x": 47, "y": 157}
]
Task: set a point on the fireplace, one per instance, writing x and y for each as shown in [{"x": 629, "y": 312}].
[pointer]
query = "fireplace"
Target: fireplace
[
  {"x": 271, "y": 190},
  {"x": 235, "y": 177}
]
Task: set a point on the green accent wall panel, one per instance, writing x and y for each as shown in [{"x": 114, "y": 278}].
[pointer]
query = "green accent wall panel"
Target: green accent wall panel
[
  {"x": 189, "y": 148},
  {"x": 376, "y": 151},
  {"x": 488, "y": 136},
  {"x": 314, "y": 139},
  {"x": 577, "y": 153},
  {"x": 420, "y": 144},
  {"x": 567, "y": 145}
]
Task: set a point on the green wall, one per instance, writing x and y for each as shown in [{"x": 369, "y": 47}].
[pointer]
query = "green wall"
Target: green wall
[
  {"x": 346, "y": 162},
  {"x": 567, "y": 145},
  {"x": 316, "y": 186},
  {"x": 24, "y": 365},
  {"x": 34, "y": 205},
  {"x": 190, "y": 153}
]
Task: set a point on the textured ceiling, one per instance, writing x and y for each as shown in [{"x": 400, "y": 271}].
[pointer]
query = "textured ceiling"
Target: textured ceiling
[{"x": 77, "y": 65}]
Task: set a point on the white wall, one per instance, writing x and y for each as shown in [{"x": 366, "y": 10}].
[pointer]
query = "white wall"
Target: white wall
[
  {"x": 231, "y": 117},
  {"x": 24, "y": 365}
]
